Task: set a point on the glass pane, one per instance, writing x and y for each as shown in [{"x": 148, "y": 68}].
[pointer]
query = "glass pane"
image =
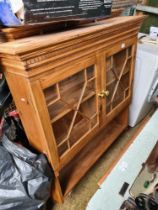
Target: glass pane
[
  {"x": 80, "y": 128},
  {"x": 110, "y": 77},
  {"x": 111, "y": 89},
  {"x": 51, "y": 94},
  {"x": 72, "y": 107},
  {"x": 118, "y": 61},
  {"x": 90, "y": 72},
  {"x": 128, "y": 66},
  {"x": 84, "y": 118},
  {"x": 119, "y": 96},
  {"x": 58, "y": 109},
  {"x": 108, "y": 108},
  {"x": 88, "y": 108},
  {"x": 62, "y": 148},
  {"x": 71, "y": 88},
  {"x": 118, "y": 78},
  {"x": 90, "y": 90},
  {"x": 61, "y": 127},
  {"x": 124, "y": 81},
  {"x": 109, "y": 63}
]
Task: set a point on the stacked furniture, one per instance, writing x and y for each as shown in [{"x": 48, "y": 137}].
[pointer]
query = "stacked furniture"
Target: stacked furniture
[
  {"x": 13, "y": 33},
  {"x": 72, "y": 90}
]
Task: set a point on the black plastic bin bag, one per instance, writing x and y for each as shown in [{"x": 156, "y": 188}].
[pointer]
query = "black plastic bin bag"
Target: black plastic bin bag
[{"x": 25, "y": 178}]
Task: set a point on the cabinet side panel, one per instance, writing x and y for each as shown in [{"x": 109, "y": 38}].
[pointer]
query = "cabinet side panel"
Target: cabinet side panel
[
  {"x": 44, "y": 121},
  {"x": 22, "y": 98},
  {"x": 29, "y": 114}
]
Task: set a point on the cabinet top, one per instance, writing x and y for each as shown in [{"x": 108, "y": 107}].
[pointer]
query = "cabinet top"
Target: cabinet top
[{"x": 30, "y": 44}]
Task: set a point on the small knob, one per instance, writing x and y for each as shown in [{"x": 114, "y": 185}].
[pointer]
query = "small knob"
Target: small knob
[
  {"x": 106, "y": 92},
  {"x": 101, "y": 95}
]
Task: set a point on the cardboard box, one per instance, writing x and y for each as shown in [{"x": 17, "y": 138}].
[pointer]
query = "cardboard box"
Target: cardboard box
[{"x": 37, "y": 11}]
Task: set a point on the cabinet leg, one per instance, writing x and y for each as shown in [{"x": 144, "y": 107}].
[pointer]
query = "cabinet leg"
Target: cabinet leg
[{"x": 57, "y": 194}]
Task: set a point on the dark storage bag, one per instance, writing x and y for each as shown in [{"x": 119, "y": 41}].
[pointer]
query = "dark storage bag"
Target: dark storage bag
[
  {"x": 25, "y": 178},
  {"x": 3, "y": 83},
  {"x": 5, "y": 95}
]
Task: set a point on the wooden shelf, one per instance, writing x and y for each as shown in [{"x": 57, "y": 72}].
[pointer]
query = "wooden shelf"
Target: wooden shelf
[
  {"x": 72, "y": 173},
  {"x": 110, "y": 82},
  {"x": 60, "y": 109},
  {"x": 79, "y": 129},
  {"x": 86, "y": 119}
]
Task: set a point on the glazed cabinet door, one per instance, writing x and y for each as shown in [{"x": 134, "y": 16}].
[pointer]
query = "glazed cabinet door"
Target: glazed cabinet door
[
  {"x": 73, "y": 107},
  {"x": 118, "y": 75}
]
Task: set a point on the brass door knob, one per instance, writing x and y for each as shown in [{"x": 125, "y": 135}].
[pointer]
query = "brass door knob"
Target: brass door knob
[
  {"x": 101, "y": 95},
  {"x": 106, "y": 92}
]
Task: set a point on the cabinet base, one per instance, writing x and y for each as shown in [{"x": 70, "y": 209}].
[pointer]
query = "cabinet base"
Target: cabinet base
[{"x": 71, "y": 174}]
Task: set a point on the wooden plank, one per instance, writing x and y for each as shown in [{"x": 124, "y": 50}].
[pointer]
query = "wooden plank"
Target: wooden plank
[
  {"x": 148, "y": 9},
  {"x": 37, "y": 29}
]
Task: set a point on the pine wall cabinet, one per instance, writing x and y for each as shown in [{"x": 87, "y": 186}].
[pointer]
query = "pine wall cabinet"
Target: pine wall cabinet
[{"x": 72, "y": 90}]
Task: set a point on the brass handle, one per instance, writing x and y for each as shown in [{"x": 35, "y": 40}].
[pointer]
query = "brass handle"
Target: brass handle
[
  {"x": 106, "y": 92},
  {"x": 101, "y": 95}
]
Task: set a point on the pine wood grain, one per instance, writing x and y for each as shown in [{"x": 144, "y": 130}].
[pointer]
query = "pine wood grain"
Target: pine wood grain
[{"x": 60, "y": 62}]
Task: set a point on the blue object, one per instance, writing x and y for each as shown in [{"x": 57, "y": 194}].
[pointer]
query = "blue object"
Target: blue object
[{"x": 7, "y": 17}]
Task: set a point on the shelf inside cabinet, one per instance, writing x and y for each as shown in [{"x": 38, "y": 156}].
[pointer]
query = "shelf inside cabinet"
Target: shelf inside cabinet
[
  {"x": 118, "y": 68},
  {"x": 75, "y": 170},
  {"x": 111, "y": 76},
  {"x": 60, "y": 108},
  {"x": 70, "y": 93},
  {"x": 114, "y": 80},
  {"x": 80, "y": 129},
  {"x": 75, "y": 125}
]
